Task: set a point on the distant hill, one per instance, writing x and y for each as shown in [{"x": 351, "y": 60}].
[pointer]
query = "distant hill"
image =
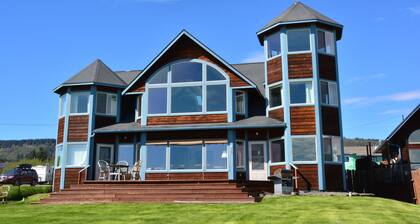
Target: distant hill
[
  {"x": 360, "y": 141},
  {"x": 15, "y": 150}
]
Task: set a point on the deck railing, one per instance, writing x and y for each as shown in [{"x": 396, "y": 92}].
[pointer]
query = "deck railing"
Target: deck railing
[{"x": 79, "y": 175}]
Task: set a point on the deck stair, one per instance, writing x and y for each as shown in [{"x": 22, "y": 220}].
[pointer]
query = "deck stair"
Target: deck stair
[{"x": 153, "y": 191}]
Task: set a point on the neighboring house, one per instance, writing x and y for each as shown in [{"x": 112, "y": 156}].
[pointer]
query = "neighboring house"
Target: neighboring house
[
  {"x": 189, "y": 114},
  {"x": 352, "y": 153},
  {"x": 403, "y": 144}
]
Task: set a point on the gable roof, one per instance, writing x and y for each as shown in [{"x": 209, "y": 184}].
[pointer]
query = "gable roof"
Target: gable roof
[
  {"x": 399, "y": 127},
  {"x": 195, "y": 40},
  {"x": 300, "y": 13},
  {"x": 95, "y": 73},
  {"x": 254, "y": 71}
]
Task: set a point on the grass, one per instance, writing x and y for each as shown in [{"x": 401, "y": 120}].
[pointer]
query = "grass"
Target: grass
[{"x": 297, "y": 209}]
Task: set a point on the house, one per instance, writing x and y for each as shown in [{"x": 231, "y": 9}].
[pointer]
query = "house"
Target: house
[{"x": 191, "y": 115}]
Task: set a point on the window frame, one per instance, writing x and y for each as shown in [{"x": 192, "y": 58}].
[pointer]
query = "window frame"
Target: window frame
[
  {"x": 243, "y": 167},
  {"x": 325, "y": 42},
  {"x": 203, "y": 160},
  {"x": 58, "y": 154},
  {"x": 272, "y": 86},
  {"x": 108, "y": 94},
  {"x": 62, "y": 105},
  {"x": 67, "y": 157},
  {"x": 138, "y": 109},
  {"x": 331, "y": 137},
  {"x": 239, "y": 94},
  {"x": 268, "y": 46},
  {"x": 329, "y": 82},
  {"x": 72, "y": 97},
  {"x": 204, "y": 83},
  {"x": 309, "y": 38},
  {"x": 312, "y": 94},
  {"x": 270, "y": 151},
  {"x": 316, "y": 147}
]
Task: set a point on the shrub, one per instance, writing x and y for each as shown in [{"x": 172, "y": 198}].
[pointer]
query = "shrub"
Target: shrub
[{"x": 16, "y": 193}]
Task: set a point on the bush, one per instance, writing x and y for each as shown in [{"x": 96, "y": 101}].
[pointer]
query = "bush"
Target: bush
[{"x": 16, "y": 194}]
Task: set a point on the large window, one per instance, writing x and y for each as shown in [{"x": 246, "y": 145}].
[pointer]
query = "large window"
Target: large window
[
  {"x": 126, "y": 153},
  {"x": 414, "y": 158},
  {"x": 329, "y": 93},
  {"x": 76, "y": 155},
  {"x": 156, "y": 157},
  {"x": 301, "y": 92},
  {"x": 332, "y": 149},
  {"x": 304, "y": 149},
  {"x": 273, "y": 45},
  {"x": 326, "y": 42},
  {"x": 186, "y": 157},
  {"x": 106, "y": 104},
  {"x": 275, "y": 96},
  {"x": 187, "y": 87},
  {"x": 298, "y": 40},
  {"x": 277, "y": 151},
  {"x": 79, "y": 102},
  {"x": 240, "y": 102},
  {"x": 216, "y": 155},
  {"x": 63, "y": 104},
  {"x": 240, "y": 155}
]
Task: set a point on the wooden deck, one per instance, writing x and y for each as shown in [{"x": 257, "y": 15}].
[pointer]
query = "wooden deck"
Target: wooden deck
[{"x": 173, "y": 191}]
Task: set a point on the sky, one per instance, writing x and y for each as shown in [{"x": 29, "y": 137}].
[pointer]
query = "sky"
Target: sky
[{"x": 43, "y": 43}]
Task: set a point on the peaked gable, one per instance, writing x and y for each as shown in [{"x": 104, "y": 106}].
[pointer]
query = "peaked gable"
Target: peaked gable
[{"x": 185, "y": 46}]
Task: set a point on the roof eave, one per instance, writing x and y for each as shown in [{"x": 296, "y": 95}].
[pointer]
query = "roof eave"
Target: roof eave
[{"x": 86, "y": 84}]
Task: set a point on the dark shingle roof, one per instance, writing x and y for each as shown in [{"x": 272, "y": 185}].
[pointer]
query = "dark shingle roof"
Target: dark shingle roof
[
  {"x": 253, "y": 71},
  {"x": 299, "y": 12},
  {"x": 253, "y": 122},
  {"x": 128, "y": 76},
  {"x": 95, "y": 73}
]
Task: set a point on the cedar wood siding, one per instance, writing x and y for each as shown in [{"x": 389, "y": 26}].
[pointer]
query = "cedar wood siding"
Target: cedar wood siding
[
  {"x": 102, "y": 121},
  {"x": 330, "y": 121},
  {"x": 72, "y": 177},
  {"x": 334, "y": 177},
  {"x": 185, "y": 48},
  {"x": 78, "y": 128},
  {"x": 307, "y": 175},
  {"x": 300, "y": 66},
  {"x": 274, "y": 72},
  {"x": 277, "y": 114},
  {"x": 302, "y": 120},
  {"x": 187, "y": 119},
  {"x": 327, "y": 67},
  {"x": 188, "y": 176},
  {"x": 60, "y": 132}
]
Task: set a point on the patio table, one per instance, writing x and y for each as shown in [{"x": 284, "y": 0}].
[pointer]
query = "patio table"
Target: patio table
[{"x": 117, "y": 168}]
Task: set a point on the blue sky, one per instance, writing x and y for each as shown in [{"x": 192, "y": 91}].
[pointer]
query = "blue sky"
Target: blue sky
[{"x": 42, "y": 43}]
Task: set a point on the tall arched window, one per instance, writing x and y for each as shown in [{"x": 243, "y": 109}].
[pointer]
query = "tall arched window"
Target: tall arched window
[
  {"x": 414, "y": 137},
  {"x": 187, "y": 87}
]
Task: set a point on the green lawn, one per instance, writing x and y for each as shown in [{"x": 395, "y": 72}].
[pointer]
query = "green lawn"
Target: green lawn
[{"x": 297, "y": 209}]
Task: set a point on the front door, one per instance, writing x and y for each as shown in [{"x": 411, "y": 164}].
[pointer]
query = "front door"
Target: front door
[
  {"x": 103, "y": 152},
  {"x": 258, "y": 161}
]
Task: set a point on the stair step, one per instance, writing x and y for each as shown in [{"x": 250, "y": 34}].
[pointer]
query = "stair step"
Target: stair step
[{"x": 148, "y": 191}]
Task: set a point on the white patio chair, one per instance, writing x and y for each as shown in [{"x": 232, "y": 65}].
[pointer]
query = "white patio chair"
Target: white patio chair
[{"x": 104, "y": 170}]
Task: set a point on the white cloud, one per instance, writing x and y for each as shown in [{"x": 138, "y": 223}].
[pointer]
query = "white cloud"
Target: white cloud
[
  {"x": 396, "y": 97},
  {"x": 365, "y": 78},
  {"x": 415, "y": 10},
  {"x": 255, "y": 57},
  {"x": 394, "y": 112}
]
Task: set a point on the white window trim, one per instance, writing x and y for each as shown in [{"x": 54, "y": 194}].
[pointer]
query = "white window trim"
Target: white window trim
[
  {"x": 276, "y": 56},
  {"x": 298, "y": 52},
  {"x": 243, "y": 167},
  {"x": 327, "y": 104},
  {"x": 269, "y": 156},
  {"x": 73, "y": 97},
  {"x": 87, "y": 159},
  {"x": 316, "y": 146},
  {"x": 60, "y": 106},
  {"x": 240, "y": 92},
  {"x": 331, "y": 162},
  {"x": 325, "y": 53},
  {"x": 274, "y": 85},
  {"x": 307, "y": 80},
  {"x": 107, "y": 95},
  {"x": 56, "y": 156},
  {"x": 138, "y": 104},
  {"x": 204, "y": 83}
]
